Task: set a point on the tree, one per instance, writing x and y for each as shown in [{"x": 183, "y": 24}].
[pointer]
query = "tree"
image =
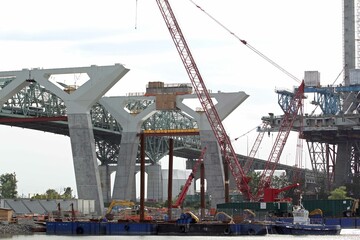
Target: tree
[
  {"x": 338, "y": 193},
  {"x": 67, "y": 193},
  {"x": 53, "y": 194},
  {"x": 8, "y": 185}
]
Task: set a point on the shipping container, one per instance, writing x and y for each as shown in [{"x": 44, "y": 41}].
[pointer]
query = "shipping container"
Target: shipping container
[{"x": 259, "y": 208}]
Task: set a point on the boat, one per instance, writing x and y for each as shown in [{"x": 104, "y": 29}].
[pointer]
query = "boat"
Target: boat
[{"x": 301, "y": 225}]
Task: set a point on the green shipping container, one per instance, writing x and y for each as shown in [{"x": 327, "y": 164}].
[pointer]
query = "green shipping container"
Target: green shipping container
[
  {"x": 330, "y": 208},
  {"x": 260, "y": 208}
]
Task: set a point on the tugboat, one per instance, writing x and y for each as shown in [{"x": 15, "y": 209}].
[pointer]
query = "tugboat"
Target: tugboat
[{"x": 301, "y": 225}]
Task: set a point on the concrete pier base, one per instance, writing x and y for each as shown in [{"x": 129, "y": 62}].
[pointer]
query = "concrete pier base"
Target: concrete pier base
[
  {"x": 124, "y": 184},
  {"x": 154, "y": 183},
  {"x": 105, "y": 172},
  {"x": 214, "y": 170},
  {"x": 84, "y": 158}
]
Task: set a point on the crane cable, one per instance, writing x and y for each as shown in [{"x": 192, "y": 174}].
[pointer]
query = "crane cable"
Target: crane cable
[
  {"x": 136, "y": 13},
  {"x": 248, "y": 45},
  {"x": 244, "y": 134}
]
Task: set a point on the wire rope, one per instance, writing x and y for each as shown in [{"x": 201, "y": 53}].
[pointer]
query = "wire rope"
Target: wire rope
[{"x": 248, "y": 45}]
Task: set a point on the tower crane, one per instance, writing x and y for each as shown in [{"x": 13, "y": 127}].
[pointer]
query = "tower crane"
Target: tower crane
[{"x": 204, "y": 98}]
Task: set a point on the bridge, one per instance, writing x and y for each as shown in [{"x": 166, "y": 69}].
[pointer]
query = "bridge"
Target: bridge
[{"x": 105, "y": 128}]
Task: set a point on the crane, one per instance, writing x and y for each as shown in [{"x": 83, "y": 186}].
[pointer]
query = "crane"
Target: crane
[
  {"x": 286, "y": 125},
  {"x": 255, "y": 148},
  {"x": 204, "y": 98},
  {"x": 185, "y": 189}
]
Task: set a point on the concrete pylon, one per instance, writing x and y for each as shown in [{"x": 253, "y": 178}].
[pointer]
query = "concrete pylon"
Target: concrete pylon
[
  {"x": 214, "y": 169},
  {"x": 124, "y": 184},
  {"x": 78, "y": 103}
]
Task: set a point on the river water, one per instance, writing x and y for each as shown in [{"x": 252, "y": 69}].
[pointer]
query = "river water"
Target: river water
[{"x": 346, "y": 234}]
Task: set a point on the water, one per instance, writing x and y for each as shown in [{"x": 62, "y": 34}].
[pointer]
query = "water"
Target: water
[{"x": 346, "y": 234}]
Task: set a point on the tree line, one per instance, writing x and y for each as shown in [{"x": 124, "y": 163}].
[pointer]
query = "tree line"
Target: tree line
[{"x": 8, "y": 189}]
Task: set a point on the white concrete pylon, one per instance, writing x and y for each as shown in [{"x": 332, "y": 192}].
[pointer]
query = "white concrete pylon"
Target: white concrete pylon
[
  {"x": 124, "y": 181},
  {"x": 78, "y": 103}
]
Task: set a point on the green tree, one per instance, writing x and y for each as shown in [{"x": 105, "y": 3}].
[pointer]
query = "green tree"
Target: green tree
[
  {"x": 338, "y": 193},
  {"x": 8, "y": 185},
  {"x": 53, "y": 194},
  {"x": 67, "y": 193}
]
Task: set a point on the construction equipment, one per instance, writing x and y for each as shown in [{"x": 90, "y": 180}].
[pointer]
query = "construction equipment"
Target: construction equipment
[
  {"x": 128, "y": 211},
  {"x": 204, "y": 98},
  {"x": 271, "y": 194},
  {"x": 214, "y": 119},
  {"x": 185, "y": 189},
  {"x": 117, "y": 203},
  {"x": 286, "y": 125},
  {"x": 255, "y": 148}
]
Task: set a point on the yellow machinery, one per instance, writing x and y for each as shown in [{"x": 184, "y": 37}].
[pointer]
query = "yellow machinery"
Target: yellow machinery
[
  {"x": 117, "y": 203},
  {"x": 129, "y": 211}
]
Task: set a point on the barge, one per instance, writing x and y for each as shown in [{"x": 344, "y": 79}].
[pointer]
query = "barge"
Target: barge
[{"x": 154, "y": 228}]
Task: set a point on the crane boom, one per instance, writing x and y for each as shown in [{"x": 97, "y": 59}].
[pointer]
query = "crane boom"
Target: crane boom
[
  {"x": 204, "y": 98},
  {"x": 185, "y": 189},
  {"x": 255, "y": 148},
  {"x": 284, "y": 131}
]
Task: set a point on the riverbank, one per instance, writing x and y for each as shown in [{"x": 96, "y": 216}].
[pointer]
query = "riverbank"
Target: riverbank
[{"x": 22, "y": 227}]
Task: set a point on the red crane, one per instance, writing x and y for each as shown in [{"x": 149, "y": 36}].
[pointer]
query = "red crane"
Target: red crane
[
  {"x": 204, "y": 98},
  {"x": 271, "y": 194},
  {"x": 255, "y": 148},
  {"x": 215, "y": 121},
  {"x": 286, "y": 125},
  {"x": 185, "y": 189}
]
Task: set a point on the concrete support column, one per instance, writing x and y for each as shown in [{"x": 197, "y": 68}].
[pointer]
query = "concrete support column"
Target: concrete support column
[
  {"x": 154, "y": 183},
  {"x": 105, "y": 172},
  {"x": 84, "y": 158},
  {"x": 125, "y": 173},
  {"x": 342, "y": 166},
  {"x": 213, "y": 167}
]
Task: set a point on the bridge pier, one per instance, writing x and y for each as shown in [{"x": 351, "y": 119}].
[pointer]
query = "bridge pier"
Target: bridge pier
[
  {"x": 343, "y": 164},
  {"x": 125, "y": 172},
  {"x": 213, "y": 163},
  {"x": 124, "y": 184},
  {"x": 105, "y": 172},
  {"x": 154, "y": 183},
  {"x": 78, "y": 102},
  {"x": 84, "y": 158}
]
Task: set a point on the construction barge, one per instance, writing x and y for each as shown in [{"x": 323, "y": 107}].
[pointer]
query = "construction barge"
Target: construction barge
[{"x": 154, "y": 228}]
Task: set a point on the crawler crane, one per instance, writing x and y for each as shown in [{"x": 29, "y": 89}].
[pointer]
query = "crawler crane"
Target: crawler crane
[
  {"x": 204, "y": 98},
  {"x": 223, "y": 139}
]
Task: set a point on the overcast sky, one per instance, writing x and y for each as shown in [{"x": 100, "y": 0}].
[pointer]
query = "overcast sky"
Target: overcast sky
[{"x": 298, "y": 35}]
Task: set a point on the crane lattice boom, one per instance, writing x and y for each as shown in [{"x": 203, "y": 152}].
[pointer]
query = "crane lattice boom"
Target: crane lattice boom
[
  {"x": 255, "y": 148},
  {"x": 204, "y": 98},
  {"x": 285, "y": 127},
  {"x": 185, "y": 189}
]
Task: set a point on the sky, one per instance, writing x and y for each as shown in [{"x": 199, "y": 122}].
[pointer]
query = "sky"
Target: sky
[{"x": 299, "y": 35}]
